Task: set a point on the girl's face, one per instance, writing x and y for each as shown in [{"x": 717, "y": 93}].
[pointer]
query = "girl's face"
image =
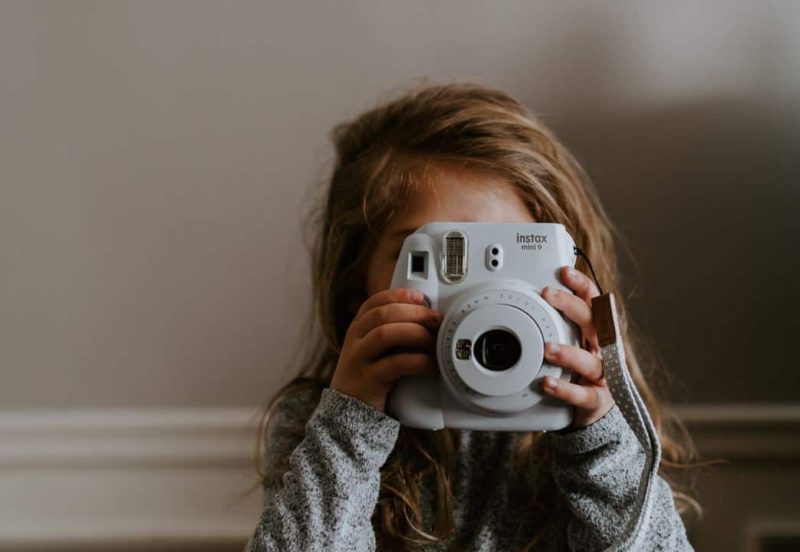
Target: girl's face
[{"x": 455, "y": 194}]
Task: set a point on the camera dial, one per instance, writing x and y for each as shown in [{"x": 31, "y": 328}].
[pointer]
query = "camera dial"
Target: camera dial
[{"x": 490, "y": 348}]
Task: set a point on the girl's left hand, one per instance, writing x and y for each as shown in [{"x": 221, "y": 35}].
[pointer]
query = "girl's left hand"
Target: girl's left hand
[{"x": 590, "y": 394}]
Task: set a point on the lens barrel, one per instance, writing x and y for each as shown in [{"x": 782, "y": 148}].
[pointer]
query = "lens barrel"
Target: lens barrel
[{"x": 497, "y": 350}]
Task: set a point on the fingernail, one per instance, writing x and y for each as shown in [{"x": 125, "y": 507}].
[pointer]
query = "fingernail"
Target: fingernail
[
  {"x": 416, "y": 296},
  {"x": 573, "y": 274},
  {"x": 552, "y": 292},
  {"x": 550, "y": 383},
  {"x": 552, "y": 347}
]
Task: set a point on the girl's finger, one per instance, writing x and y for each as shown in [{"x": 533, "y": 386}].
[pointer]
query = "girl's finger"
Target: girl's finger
[
  {"x": 583, "y": 396},
  {"x": 394, "y": 295},
  {"x": 396, "y": 312},
  {"x": 391, "y": 367},
  {"x": 580, "y": 361},
  {"x": 576, "y": 310},
  {"x": 583, "y": 286},
  {"x": 395, "y": 334}
]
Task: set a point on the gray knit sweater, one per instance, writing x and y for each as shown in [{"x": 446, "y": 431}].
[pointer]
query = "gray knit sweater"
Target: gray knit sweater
[{"x": 330, "y": 452}]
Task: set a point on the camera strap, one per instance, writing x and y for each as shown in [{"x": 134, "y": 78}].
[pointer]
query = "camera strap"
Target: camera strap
[{"x": 632, "y": 406}]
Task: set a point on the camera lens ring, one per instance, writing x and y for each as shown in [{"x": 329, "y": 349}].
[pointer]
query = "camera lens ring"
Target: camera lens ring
[
  {"x": 510, "y": 306},
  {"x": 478, "y": 314}
]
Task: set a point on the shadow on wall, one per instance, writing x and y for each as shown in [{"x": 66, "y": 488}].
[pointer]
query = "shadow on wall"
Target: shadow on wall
[{"x": 706, "y": 194}]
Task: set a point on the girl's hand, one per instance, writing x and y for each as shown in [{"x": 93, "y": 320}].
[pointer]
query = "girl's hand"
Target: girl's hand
[
  {"x": 590, "y": 395},
  {"x": 392, "y": 335}
]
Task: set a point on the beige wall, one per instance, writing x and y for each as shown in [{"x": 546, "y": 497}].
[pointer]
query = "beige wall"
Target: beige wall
[{"x": 155, "y": 158}]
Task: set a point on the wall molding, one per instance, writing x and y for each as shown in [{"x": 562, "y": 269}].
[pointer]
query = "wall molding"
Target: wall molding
[
  {"x": 142, "y": 437},
  {"x": 138, "y": 478},
  {"x": 742, "y": 432},
  {"x": 133, "y": 479}
]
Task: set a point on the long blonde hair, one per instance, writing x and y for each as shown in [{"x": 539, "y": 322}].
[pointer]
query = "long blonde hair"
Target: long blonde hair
[{"x": 380, "y": 157}]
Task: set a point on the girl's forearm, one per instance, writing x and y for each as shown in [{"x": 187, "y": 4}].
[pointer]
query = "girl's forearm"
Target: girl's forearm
[
  {"x": 598, "y": 470},
  {"x": 326, "y": 498}
]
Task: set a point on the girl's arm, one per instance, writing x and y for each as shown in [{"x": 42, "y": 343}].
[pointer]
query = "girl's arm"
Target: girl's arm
[
  {"x": 598, "y": 468},
  {"x": 329, "y": 487},
  {"x": 325, "y": 498}
]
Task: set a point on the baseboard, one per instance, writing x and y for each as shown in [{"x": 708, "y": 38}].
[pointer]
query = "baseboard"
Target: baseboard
[
  {"x": 151, "y": 479},
  {"x": 176, "y": 479}
]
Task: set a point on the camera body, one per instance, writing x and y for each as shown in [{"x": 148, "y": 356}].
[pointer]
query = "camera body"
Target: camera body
[{"x": 487, "y": 278}]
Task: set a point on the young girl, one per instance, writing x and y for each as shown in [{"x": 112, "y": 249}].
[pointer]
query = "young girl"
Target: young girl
[{"x": 340, "y": 473}]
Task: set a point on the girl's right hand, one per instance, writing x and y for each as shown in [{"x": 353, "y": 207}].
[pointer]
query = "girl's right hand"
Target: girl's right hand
[{"x": 367, "y": 366}]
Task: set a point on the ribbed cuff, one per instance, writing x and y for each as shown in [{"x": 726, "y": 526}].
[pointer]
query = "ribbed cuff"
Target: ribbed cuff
[
  {"x": 611, "y": 427},
  {"x": 368, "y": 430}
]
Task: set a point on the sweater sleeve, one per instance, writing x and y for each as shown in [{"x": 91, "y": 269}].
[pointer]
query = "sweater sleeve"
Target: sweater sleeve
[
  {"x": 597, "y": 469},
  {"x": 325, "y": 497}
]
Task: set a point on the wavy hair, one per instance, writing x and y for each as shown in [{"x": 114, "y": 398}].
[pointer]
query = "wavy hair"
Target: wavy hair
[{"x": 380, "y": 160}]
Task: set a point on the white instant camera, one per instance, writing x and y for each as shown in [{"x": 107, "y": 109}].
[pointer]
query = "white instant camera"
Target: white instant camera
[{"x": 487, "y": 279}]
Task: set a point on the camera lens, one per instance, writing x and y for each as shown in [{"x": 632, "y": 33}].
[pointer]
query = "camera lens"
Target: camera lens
[{"x": 497, "y": 350}]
